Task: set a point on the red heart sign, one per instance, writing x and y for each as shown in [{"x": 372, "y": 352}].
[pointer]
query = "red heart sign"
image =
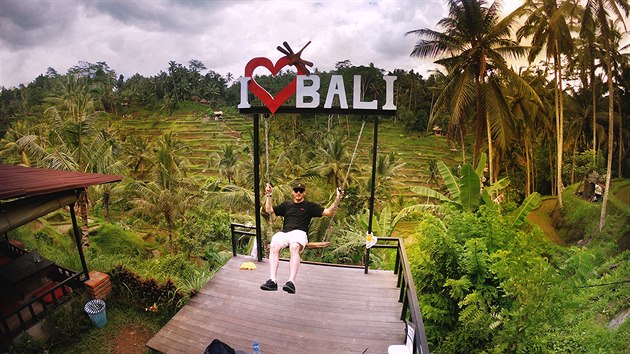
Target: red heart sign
[{"x": 273, "y": 103}]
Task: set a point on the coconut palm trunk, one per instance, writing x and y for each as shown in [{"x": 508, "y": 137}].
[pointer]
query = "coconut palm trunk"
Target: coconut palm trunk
[
  {"x": 83, "y": 202},
  {"x": 611, "y": 128},
  {"x": 559, "y": 128},
  {"x": 601, "y": 8},
  {"x": 594, "y": 111},
  {"x": 620, "y": 143}
]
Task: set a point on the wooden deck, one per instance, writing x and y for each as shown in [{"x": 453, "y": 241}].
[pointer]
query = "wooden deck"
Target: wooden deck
[{"x": 334, "y": 310}]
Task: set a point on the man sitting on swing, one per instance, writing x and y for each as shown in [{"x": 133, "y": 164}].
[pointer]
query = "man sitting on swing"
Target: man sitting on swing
[{"x": 297, "y": 217}]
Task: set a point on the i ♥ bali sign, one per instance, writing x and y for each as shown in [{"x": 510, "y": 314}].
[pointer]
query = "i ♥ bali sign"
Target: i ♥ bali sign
[{"x": 306, "y": 87}]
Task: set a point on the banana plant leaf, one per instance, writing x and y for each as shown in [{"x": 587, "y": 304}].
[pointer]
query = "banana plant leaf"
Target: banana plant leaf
[
  {"x": 470, "y": 189},
  {"x": 428, "y": 192},
  {"x": 481, "y": 164},
  {"x": 452, "y": 182},
  {"x": 530, "y": 203}
]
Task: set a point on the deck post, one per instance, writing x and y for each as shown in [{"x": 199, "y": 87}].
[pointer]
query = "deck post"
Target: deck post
[
  {"x": 259, "y": 247},
  {"x": 77, "y": 238},
  {"x": 372, "y": 189}
]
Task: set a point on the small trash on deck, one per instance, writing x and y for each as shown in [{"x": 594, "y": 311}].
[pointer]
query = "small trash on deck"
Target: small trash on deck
[{"x": 248, "y": 266}]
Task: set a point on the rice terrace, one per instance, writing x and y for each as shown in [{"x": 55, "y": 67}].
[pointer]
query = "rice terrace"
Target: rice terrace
[{"x": 331, "y": 193}]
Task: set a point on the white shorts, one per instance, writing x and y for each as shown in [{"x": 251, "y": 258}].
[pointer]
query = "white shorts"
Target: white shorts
[{"x": 284, "y": 239}]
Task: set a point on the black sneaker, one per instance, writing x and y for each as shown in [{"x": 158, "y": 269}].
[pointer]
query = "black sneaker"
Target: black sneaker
[
  {"x": 269, "y": 285},
  {"x": 289, "y": 287}
]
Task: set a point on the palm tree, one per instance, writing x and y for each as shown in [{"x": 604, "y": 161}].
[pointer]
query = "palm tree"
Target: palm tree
[
  {"x": 77, "y": 141},
  {"x": 228, "y": 161},
  {"x": 587, "y": 53},
  {"x": 387, "y": 168},
  {"x": 530, "y": 119},
  {"x": 171, "y": 165},
  {"x": 294, "y": 161},
  {"x": 475, "y": 40},
  {"x": 156, "y": 203},
  {"x": 11, "y": 149},
  {"x": 106, "y": 157},
  {"x": 138, "y": 156},
  {"x": 336, "y": 160},
  {"x": 603, "y": 13},
  {"x": 166, "y": 196},
  {"x": 546, "y": 22}
]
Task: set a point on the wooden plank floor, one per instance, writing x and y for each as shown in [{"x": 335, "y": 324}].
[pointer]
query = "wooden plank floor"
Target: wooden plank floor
[{"x": 334, "y": 310}]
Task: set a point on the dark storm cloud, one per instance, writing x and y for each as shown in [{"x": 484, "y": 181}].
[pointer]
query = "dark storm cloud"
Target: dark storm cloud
[
  {"x": 142, "y": 36},
  {"x": 170, "y": 16},
  {"x": 28, "y": 23}
]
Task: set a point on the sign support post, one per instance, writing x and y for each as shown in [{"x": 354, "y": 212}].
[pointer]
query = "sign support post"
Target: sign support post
[
  {"x": 372, "y": 189},
  {"x": 259, "y": 244}
]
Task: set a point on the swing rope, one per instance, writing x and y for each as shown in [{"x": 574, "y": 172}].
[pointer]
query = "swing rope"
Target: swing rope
[
  {"x": 345, "y": 181},
  {"x": 354, "y": 154},
  {"x": 344, "y": 184}
]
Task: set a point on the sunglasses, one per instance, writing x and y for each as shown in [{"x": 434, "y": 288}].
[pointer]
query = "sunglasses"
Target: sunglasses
[{"x": 298, "y": 190}]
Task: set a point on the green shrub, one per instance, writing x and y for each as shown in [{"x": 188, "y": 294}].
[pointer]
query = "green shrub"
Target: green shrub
[
  {"x": 482, "y": 283},
  {"x": 68, "y": 322},
  {"x": 43, "y": 237},
  {"x": 112, "y": 239},
  {"x": 27, "y": 345},
  {"x": 175, "y": 265},
  {"x": 145, "y": 293}
]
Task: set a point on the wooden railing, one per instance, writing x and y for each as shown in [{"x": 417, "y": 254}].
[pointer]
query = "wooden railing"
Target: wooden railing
[
  {"x": 408, "y": 297},
  {"x": 411, "y": 309},
  {"x": 28, "y": 314},
  {"x": 36, "y": 309},
  {"x": 11, "y": 248}
]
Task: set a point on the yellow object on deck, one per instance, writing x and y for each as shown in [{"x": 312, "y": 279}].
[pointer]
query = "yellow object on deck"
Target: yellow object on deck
[{"x": 248, "y": 266}]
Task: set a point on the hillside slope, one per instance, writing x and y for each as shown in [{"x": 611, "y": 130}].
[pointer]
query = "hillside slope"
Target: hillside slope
[{"x": 205, "y": 136}]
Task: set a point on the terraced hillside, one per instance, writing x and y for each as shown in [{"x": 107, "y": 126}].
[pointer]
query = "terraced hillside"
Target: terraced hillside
[{"x": 205, "y": 136}]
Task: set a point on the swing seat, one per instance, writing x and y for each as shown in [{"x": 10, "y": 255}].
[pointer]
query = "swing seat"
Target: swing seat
[{"x": 317, "y": 244}]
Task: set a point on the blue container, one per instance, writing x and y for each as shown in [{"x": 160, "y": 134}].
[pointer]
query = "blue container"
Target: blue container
[{"x": 96, "y": 310}]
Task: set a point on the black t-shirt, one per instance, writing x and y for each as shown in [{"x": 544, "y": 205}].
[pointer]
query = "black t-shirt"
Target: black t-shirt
[{"x": 298, "y": 216}]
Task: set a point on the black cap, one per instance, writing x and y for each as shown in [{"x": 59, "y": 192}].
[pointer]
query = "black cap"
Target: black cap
[{"x": 298, "y": 185}]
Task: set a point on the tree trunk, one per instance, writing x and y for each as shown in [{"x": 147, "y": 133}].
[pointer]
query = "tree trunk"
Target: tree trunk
[
  {"x": 611, "y": 132},
  {"x": 482, "y": 119},
  {"x": 573, "y": 163},
  {"x": 463, "y": 147},
  {"x": 534, "y": 172},
  {"x": 528, "y": 171},
  {"x": 83, "y": 202},
  {"x": 594, "y": 111},
  {"x": 430, "y": 113},
  {"x": 552, "y": 176},
  {"x": 106, "y": 202},
  {"x": 620, "y": 144},
  {"x": 559, "y": 128},
  {"x": 490, "y": 153}
]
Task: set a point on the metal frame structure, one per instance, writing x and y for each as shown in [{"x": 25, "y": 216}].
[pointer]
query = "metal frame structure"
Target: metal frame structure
[
  {"x": 258, "y": 110},
  {"x": 405, "y": 281}
]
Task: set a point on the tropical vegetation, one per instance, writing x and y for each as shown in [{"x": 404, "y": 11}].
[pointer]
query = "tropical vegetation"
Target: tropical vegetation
[{"x": 507, "y": 253}]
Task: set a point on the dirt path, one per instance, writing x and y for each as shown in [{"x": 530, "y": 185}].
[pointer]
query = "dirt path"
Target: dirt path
[
  {"x": 542, "y": 218},
  {"x": 131, "y": 339}
]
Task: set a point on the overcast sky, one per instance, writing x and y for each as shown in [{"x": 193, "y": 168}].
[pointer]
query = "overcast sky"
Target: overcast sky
[{"x": 142, "y": 36}]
